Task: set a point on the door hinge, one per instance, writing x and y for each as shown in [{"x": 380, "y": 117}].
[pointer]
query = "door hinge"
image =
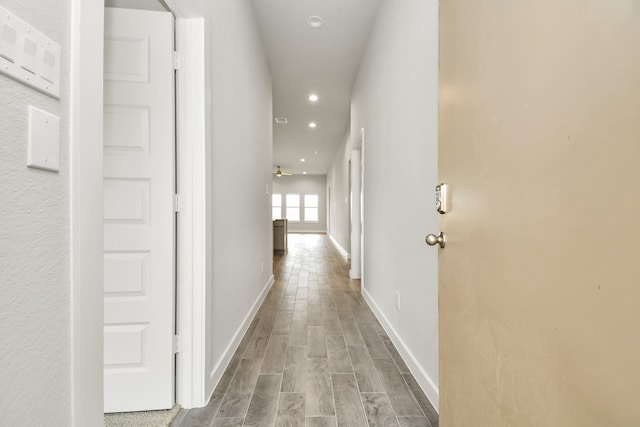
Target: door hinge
[
  {"x": 176, "y": 60},
  {"x": 177, "y": 203},
  {"x": 176, "y": 344}
]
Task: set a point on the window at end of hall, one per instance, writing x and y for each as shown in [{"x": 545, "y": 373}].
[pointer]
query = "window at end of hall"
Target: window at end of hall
[
  {"x": 310, "y": 208},
  {"x": 293, "y": 207},
  {"x": 276, "y": 206}
]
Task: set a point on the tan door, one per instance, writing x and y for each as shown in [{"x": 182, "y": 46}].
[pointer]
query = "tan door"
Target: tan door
[{"x": 540, "y": 279}]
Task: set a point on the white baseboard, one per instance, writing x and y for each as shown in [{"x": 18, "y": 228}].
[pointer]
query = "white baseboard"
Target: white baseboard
[
  {"x": 421, "y": 376},
  {"x": 339, "y": 248},
  {"x": 223, "y": 362}
]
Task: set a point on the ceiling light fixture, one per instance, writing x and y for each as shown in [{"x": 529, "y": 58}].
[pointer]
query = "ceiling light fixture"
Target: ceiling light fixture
[
  {"x": 312, "y": 125},
  {"x": 315, "y": 21},
  {"x": 313, "y": 97},
  {"x": 303, "y": 160},
  {"x": 304, "y": 173}
]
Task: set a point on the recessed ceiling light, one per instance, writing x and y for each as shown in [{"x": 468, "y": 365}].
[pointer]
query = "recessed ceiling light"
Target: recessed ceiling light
[
  {"x": 312, "y": 125},
  {"x": 313, "y": 97},
  {"x": 304, "y": 173},
  {"x": 303, "y": 160},
  {"x": 315, "y": 21},
  {"x": 318, "y": 152}
]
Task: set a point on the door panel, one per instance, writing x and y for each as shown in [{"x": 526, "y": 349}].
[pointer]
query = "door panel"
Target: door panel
[
  {"x": 539, "y": 128},
  {"x": 138, "y": 210}
]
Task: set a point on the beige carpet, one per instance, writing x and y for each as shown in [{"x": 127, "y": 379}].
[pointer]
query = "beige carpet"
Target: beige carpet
[{"x": 141, "y": 419}]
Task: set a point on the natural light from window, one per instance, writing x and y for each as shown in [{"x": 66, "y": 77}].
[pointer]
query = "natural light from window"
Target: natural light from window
[
  {"x": 310, "y": 208},
  {"x": 276, "y": 206},
  {"x": 293, "y": 207}
]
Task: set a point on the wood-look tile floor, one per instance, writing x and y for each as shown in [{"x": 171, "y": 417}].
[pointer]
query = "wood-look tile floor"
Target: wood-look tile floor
[{"x": 315, "y": 355}]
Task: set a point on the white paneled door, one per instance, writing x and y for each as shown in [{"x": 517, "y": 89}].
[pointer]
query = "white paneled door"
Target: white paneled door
[{"x": 138, "y": 210}]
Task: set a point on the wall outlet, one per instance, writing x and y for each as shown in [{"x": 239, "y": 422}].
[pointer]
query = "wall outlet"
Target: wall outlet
[{"x": 398, "y": 300}]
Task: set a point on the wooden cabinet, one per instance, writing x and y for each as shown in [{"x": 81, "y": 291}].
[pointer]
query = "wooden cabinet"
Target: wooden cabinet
[{"x": 280, "y": 235}]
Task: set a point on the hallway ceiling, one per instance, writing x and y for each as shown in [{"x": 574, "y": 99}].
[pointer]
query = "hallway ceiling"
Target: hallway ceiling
[{"x": 305, "y": 60}]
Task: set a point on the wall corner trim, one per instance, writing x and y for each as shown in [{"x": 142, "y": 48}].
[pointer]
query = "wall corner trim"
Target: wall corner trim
[
  {"x": 339, "y": 248},
  {"x": 424, "y": 380}
]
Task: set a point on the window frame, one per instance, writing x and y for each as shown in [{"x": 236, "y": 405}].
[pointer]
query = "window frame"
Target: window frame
[
  {"x": 288, "y": 206},
  {"x": 316, "y": 207},
  {"x": 276, "y": 207}
]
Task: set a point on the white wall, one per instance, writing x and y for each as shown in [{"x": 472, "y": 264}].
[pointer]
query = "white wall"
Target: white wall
[
  {"x": 240, "y": 132},
  {"x": 35, "y": 308},
  {"x": 156, "y": 5},
  {"x": 395, "y": 100},
  {"x": 304, "y": 184},
  {"x": 338, "y": 180}
]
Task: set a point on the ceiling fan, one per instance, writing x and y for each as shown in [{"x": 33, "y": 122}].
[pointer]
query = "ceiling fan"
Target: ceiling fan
[{"x": 280, "y": 173}]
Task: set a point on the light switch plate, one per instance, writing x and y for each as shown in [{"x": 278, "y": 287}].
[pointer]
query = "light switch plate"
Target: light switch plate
[
  {"x": 29, "y": 56},
  {"x": 44, "y": 140}
]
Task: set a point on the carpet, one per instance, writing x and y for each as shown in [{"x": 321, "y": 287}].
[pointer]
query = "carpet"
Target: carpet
[{"x": 142, "y": 418}]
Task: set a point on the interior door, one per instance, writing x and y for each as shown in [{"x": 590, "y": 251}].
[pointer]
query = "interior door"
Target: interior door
[
  {"x": 138, "y": 210},
  {"x": 539, "y": 280}
]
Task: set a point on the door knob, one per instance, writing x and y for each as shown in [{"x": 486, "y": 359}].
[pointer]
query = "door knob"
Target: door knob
[{"x": 433, "y": 240}]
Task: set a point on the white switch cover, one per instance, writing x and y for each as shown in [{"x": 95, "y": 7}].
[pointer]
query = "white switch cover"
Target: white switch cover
[
  {"x": 44, "y": 140},
  {"x": 28, "y": 55}
]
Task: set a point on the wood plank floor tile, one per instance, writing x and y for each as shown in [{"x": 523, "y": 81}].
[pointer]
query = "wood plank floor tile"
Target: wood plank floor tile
[
  {"x": 290, "y": 410},
  {"x": 374, "y": 343},
  {"x": 332, "y": 324},
  {"x": 351, "y": 332},
  {"x": 276, "y": 352},
  {"x": 315, "y": 315},
  {"x": 294, "y": 379},
  {"x": 198, "y": 417},
  {"x": 315, "y": 355},
  {"x": 414, "y": 422},
  {"x": 257, "y": 347},
  {"x": 319, "y": 390},
  {"x": 264, "y": 402},
  {"x": 366, "y": 372},
  {"x": 339, "y": 360},
  {"x": 236, "y": 400},
  {"x": 349, "y": 411},
  {"x": 282, "y": 325},
  {"x": 299, "y": 334},
  {"x": 400, "y": 396},
  {"x": 228, "y": 422},
  {"x": 378, "y": 410},
  {"x": 316, "y": 344},
  {"x": 321, "y": 422},
  {"x": 422, "y": 399},
  {"x": 397, "y": 359}
]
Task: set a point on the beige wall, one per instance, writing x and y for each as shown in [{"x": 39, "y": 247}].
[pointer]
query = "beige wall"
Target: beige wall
[{"x": 539, "y": 283}]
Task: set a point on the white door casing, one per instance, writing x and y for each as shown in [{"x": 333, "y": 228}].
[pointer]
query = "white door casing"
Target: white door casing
[{"x": 138, "y": 210}]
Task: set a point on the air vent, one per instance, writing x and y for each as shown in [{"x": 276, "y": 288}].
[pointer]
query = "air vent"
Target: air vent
[{"x": 281, "y": 121}]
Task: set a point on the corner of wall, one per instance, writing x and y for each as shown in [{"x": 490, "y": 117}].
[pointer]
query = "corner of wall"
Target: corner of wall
[{"x": 417, "y": 370}]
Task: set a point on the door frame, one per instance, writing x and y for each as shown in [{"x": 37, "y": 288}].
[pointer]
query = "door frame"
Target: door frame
[
  {"x": 356, "y": 190},
  {"x": 86, "y": 194}
]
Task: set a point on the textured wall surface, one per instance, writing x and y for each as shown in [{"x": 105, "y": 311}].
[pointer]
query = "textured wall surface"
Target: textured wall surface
[{"x": 34, "y": 246}]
